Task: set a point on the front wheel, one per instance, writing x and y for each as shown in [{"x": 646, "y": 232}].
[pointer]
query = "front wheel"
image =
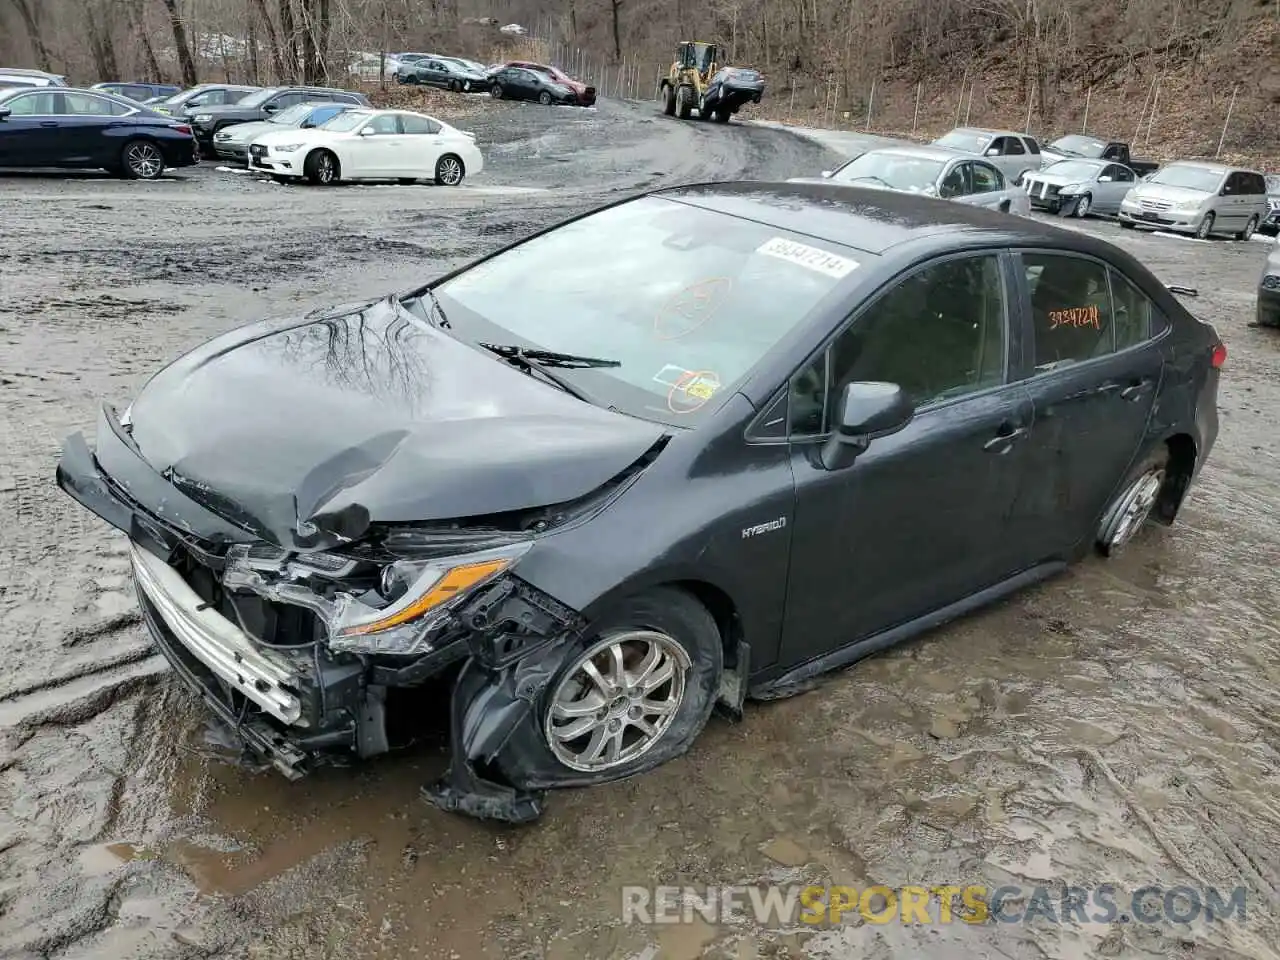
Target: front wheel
[
  {"x": 544, "y": 98},
  {"x": 1247, "y": 232},
  {"x": 321, "y": 168},
  {"x": 684, "y": 103},
  {"x": 455, "y": 86},
  {"x": 449, "y": 171},
  {"x": 637, "y": 692},
  {"x": 141, "y": 160},
  {"x": 1131, "y": 508},
  {"x": 1083, "y": 205},
  {"x": 495, "y": 91},
  {"x": 1126, "y": 225},
  {"x": 668, "y": 101},
  {"x": 1206, "y": 227}
]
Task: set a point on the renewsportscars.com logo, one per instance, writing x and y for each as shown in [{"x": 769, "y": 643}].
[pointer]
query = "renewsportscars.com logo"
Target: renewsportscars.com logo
[{"x": 943, "y": 904}]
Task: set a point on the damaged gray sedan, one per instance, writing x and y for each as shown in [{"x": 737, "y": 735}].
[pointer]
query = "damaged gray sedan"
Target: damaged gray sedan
[{"x": 599, "y": 501}]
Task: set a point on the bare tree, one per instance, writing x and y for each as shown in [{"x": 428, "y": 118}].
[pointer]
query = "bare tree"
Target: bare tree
[
  {"x": 188, "y": 63},
  {"x": 27, "y": 13}
]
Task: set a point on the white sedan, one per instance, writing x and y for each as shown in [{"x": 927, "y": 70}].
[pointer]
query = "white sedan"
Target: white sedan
[{"x": 370, "y": 145}]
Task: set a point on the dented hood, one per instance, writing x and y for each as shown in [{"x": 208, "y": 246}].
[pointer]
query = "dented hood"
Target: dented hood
[{"x": 366, "y": 415}]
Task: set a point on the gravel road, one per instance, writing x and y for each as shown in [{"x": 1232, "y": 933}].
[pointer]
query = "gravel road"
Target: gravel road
[{"x": 1116, "y": 724}]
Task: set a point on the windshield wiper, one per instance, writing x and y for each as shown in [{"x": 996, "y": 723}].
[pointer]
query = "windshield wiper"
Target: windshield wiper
[
  {"x": 442, "y": 321},
  {"x": 543, "y": 362},
  {"x": 870, "y": 177}
]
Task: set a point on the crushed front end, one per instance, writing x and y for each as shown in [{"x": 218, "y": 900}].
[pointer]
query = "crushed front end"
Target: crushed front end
[{"x": 295, "y": 650}]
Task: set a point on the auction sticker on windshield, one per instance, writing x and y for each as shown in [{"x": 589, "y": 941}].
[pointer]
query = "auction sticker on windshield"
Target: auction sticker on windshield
[{"x": 812, "y": 258}]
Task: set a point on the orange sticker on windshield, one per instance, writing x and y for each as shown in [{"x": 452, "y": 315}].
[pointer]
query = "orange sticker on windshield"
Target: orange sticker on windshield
[
  {"x": 691, "y": 307},
  {"x": 692, "y": 391},
  {"x": 1075, "y": 317}
]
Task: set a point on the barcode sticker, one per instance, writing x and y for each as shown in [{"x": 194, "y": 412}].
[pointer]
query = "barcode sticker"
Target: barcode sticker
[{"x": 812, "y": 258}]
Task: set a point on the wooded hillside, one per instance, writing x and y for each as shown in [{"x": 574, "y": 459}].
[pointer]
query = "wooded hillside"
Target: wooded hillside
[{"x": 1159, "y": 72}]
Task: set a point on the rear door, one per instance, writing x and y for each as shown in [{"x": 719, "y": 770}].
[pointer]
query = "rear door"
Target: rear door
[
  {"x": 86, "y": 127},
  {"x": 1094, "y": 373},
  {"x": 422, "y": 146},
  {"x": 30, "y": 135}
]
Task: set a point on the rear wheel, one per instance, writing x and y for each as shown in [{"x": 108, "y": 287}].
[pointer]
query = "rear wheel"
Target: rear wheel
[
  {"x": 141, "y": 160},
  {"x": 1206, "y": 227},
  {"x": 495, "y": 91},
  {"x": 668, "y": 100},
  {"x": 321, "y": 168},
  {"x": 722, "y": 115},
  {"x": 1133, "y": 505},
  {"x": 449, "y": 170},
  {"x": 455, "y": 86},
  {"x": 1247, "y": 232}
]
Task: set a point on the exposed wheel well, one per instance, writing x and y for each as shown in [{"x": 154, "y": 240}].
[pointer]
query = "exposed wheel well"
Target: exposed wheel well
[
  {"x": 722, "y": 610},
  {"x": 1182, "y": 464}
]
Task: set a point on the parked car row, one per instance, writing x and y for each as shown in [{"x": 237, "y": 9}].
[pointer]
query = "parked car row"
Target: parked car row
[{"x": 514, "y": 80}]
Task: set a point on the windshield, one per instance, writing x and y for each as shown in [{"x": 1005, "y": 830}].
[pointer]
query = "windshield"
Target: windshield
[
  {"x": 896, "y": 170},
  {"x": 259, "y": 98},
  {"x": 294, "y": 115},
  {"x": 1078, "y": 145},
  {"x": 966, "y": 141},
  {"x": 344, "y": 122},
  {"x": 686, "y": 300},
  {"x": 1273, "y": 186},
  {"x": 1074, "y": 169},
  {"x": 1192, "y": 178}
]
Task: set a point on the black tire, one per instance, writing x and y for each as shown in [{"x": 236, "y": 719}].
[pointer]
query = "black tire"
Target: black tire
[
  {"x": 666, "y": 610},
  {"x": 1084, "y": 203},
  {"x": 544, "y": 98},
  {"x": 668, "y": 100},
  {"x": 450, "y": 170},
  {"x": 322, "y": 168},
  {"x": 1249, "y": 228},
  {"x": 1111, "y": 536},
  {"x": 1205, "y": 229},
  {"x": 495, "y": 91},
  {"x": 455, "y": 86},
  {"x": 141, "y": 159},
  {"x": 1126, "y": 225},
  {"x": 684, "y": 103},
  {"x": 721, "y": 116}
]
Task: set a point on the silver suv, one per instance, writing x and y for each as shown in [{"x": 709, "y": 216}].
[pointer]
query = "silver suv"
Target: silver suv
[
  {"x": 14, "y": 77},
  {"x": 1199, "y": 198},
  {"x": 1012, "y": 153}
]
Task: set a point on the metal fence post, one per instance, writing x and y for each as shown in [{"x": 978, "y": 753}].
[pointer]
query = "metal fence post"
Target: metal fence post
[
  {"x": 871, "y": 99},
  {"x": 1151, "y": 120},
  {"x": 1087, "y": 97},
  {"x": 916, "y": 119}
]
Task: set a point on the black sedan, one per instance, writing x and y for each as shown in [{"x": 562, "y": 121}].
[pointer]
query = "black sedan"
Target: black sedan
[
  {"x": 779, "y": 427},
  {"x": 1269, "y": 291},
  {"x": 88, "y": 129},
  {"x": 521, "y": 83},
  {"x": 262, "y": 105},
  {"x": 444, "y": 73}
]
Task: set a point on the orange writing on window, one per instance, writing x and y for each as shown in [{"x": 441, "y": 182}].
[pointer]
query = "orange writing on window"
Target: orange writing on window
[{"x": 1075, "y": 317}]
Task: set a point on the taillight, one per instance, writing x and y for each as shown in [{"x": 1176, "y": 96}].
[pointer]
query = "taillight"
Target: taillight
[
  {"x": 183, "y": 128},
  {"x": 1219, "y": 356}
]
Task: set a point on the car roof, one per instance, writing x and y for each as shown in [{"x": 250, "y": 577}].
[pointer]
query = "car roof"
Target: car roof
[
  {"x": 875, "y": 221},
  {"x": 923, "y": 152},
  {"x": 24, "y": 72},
  {"x": 1221, "y": 168},
  {"x": 988, "y": 132}
]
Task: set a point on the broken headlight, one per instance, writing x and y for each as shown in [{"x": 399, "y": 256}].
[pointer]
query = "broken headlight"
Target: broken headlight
[{"x": 419, "y": 595}]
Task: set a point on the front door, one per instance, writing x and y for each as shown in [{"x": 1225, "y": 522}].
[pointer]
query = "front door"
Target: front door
[
  {"x": 377, "y": 148},
  {"x": 31, "y": 135},
  {"x": 1096, "y": 369},
  {"x": 916, "y": 522}
]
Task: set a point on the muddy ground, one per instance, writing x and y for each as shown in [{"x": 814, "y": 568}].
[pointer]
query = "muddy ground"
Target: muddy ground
[{"x": 1116, "y": 724}]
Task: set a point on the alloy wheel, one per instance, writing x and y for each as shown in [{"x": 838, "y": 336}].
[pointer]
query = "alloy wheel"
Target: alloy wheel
[
  {"x": 144, "y": 161},
  {"x": 617, "y": 700},
  {"x": 324, "y": 168},
  {"x": 449, "y": 171},
  {"x": 1082, "y": 205},
  {"x": 1249, "y": 227},
  {"x": 1134, "y": 507},
  {"x": 1205, "y": 228}
]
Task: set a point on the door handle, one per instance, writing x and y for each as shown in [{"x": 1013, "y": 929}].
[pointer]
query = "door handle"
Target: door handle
[
  {"x": 48, "y": 123},
  {"x": 1005, "y": 439},
  {"x": 1135, "y": 391}
]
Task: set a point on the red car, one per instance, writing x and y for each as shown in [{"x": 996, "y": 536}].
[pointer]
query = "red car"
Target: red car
[{"x": 586, "y": 94}]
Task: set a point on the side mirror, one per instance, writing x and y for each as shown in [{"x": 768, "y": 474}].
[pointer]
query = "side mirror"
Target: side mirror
[
  {"x": 270, "y": 107},
  {"x": 866, "y": 411},
  {"x": 367, "y": 131},
  {"x": 992, "y": 152},
  {"x": 828, "y": 174},
  {"x": 1104, "y": 179},
  {"x": 5, "y": 112},
  {"x": 307, "y": 124}
]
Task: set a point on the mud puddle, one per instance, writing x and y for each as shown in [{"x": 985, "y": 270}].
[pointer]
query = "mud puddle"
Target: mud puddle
[{"x": 1115, "y": 725}]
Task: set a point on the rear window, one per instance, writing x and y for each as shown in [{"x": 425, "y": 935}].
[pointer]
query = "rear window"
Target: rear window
[{"x": 688, "y": 301}]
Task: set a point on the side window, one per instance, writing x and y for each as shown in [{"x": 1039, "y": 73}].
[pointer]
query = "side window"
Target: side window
[
  {"x": 83, "y": 105},
  {"x": 1232, "y": 185},
  {"x": 1013, "y": 147},
  {"x": 34, "y": 105},
  {"x": 1032, "y": 145},
  {"x": 323, "y": 115},
  {"x": 136, "y": 92},
  {"x": 1257, "y": 184},
  {"x": 418, "y": 125},
  {"x": 954, "y": 184},
  {"x": 986, "y": 178},
  {"x": 385, "y": 124},
  {"x": 1133, "y": 312},
  {"x": 939, "y": 333},
  {"x": 1071, "y": 313},
  {"x": 286, "y": 100},
  {"x": 1120, "y": 174}
]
